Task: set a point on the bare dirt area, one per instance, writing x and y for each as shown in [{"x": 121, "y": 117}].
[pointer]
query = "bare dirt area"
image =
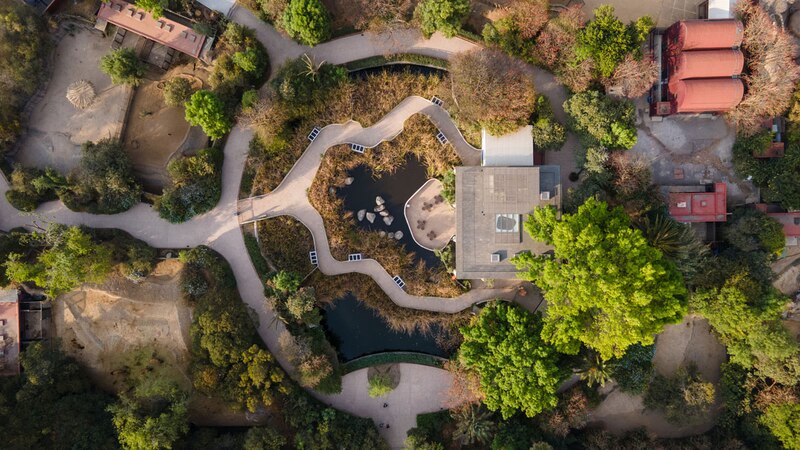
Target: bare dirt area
[
  {"x": 102, "y": 326},
  {"x": 690, "y": 342},
  {"x": 56, "y": 127},
  {"x": 691, "y": 151},
  {"x": 155, "y": 132}
]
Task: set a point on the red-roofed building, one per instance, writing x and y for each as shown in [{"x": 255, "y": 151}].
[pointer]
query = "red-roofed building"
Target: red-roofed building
[
  {"x": 9, "y": 332},
  {"x": 165, "y": 31},
  {"x": 699, "y": 206}
]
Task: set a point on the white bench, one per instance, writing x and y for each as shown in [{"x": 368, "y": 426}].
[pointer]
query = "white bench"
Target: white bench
[
  {"x": 314, "y": 133},
  {"x": 357, "y": 148},
  {"x": 313, "y": 257},
  {"x": 437, "y": 101},
  {"x": 441, "y": 138},
  {"x": 354, "y": 257},
  {"x": 399, "y": 282}
]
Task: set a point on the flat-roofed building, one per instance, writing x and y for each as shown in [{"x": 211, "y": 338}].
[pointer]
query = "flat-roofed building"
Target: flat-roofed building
[
  {"x": 698, "y": 204},
  {"x": 509, "y": 150},
  {"x": 492, "y": 204}
]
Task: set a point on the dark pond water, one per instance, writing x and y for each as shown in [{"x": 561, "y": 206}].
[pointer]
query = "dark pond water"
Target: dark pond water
[
  {"x": 398, "y": 68},
  {"x": 395, "y": 188},
  {"x": 357, "y": 331}
]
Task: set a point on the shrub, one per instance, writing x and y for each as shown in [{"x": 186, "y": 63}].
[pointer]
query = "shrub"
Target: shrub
[
  {"x": 602, "y": 120},
  {"x": 103, "y": 183},
  {"x": 380, "y": 384},
  {"x": 449, "y": 186},
  {"x": 547, "y": 133},
  {"x": 140, "y": 261},
  {"x": 263, "y": 438},
  {"x": 308, "y": 21},
  {"x": 195, "y": 186},
  {"x": 177, "y": 91},
  {"x": 287, "y": 282},
  {"x": 682, "y": 397},
  {"x": 492, "y": 90},
  {"x": 249, "y": 98},
  {"x": 123, "y": 66},
  {"x": 242, "y": 63},
  {"x": 445, "y": 16},
  {"x": 30, "y": 187},
  {"x": 205, "y": 109}
]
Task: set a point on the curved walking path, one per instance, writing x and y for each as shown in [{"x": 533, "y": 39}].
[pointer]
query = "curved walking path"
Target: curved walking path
[{"x": 421, "y": 388}]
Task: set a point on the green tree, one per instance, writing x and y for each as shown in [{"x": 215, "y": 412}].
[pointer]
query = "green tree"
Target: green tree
[
  {"x": 24, "y": 39},
  {"x": 607, "y": 40},
  {"x": 287, "y": 282},
  {"x": 602, "y": 120},
  {"x": 783, "y": 421},
  {"x": 473, "y": 426},
  {"x": 302, "y": 306},
  {"x": 123, "y": 66},
  {"x": 595, "y": 371},
  {"x": 517, "y": 370},
  {"x": 250, "y": 60},
  {"x": 676, "y": 241},
  {"x": 445, "y": 16},
  {"x": 205, "y": 109},
  {"x": 748, "y": 324},
  {"x": 633, "y": 371},
  {"x": 605, "y": 286},
  {"x": 308, "y": 21},
  {"x": 547, "y": 133},
  {"x": 177, "y": 91},
  {"x": 682, "y": 396},
  {"x": 154, "y": 7},
  {"x": 750, "y": 230},
  {"x": 775, "y": 176},
  {"x": 151, "y": 420},
  {"x": 195, "y": 186},
  {"x": 263, "y": 438},
  {"x": 70, "y": 259},
  {"x": 103, "y": 183}
]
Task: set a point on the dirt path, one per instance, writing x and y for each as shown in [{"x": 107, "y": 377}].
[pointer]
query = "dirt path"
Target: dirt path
[
  {"x": 102, "y": 325},
  {"x": 677, "y": 346}
]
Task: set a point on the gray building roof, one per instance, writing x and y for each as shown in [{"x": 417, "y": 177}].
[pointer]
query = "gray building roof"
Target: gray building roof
[
  {"x": 509, "y": 150},
  {"x": 492, "y": 203}
]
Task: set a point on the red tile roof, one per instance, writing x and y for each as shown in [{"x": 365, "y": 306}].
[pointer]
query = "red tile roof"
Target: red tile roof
[
  {"x": 706, "y": 94},
  {"x": 707, "y": 34},
  {"x": 699, "y": 206},
  {"x": 790, "y": 222},
  {"x": 707, "y": 64},
  {"x": 164, "y": 31}
]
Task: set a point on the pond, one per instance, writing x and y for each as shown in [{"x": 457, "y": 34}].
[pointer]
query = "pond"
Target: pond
[
  {"x": 356, "y": 331},
  {"x": 395, "y": 188}
]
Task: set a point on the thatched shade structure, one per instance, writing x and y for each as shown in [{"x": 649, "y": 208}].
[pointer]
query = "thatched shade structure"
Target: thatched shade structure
[{"x": 81, "y": 94}]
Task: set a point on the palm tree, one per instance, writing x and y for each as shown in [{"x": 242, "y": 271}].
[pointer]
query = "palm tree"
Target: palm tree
[
  {"x": 594, "y": 371},
  {"x": 473, "y": 425},
  {"x": 312, "y": 70},
  {"x": 675, "y": 240}
]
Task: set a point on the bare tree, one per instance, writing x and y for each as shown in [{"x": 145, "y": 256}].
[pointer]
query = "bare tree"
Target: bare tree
[{"x": 634, "y": 76}]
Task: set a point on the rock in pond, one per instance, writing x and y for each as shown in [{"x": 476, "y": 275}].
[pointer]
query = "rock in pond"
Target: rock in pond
[
  {"x": 348, "y": 181},
  {"x": 382, "y": 233},
  {"x": 379, "y": 200},
  {"x": 388, "y": 220},
  {"x": 398, "y": 235},
  {"x": 370, "y": 217},
  {"x": 361, "y": 213},
  {"x": 384, "y": 213},
  {"x": 380, "y": 208}
]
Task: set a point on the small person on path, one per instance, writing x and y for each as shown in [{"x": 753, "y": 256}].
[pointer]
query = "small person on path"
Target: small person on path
[{"x": 385, "y": 405}]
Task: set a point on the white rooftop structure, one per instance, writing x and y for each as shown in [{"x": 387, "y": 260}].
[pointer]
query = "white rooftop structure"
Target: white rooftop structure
[
  {"x": 510, "y": 150},
  {"x": 721, "y": 9},
  {"x": 223, "y": 6}
]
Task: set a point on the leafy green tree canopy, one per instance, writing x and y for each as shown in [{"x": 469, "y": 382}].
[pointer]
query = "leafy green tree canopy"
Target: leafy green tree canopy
[
  {"x": 72, "y": 258},
  {"x": 441, "y": 15},
  {"x": 308, "y": 21},
  {"x": 205, "y": 109},
  {"x": 607, "y": 40},
  {"x": 783, "y": 421},
  {"x": 751, "y": 230},
  {"x": 154, "y": 7},
  {"x": 605, "y": 286},
  {"x": 123, "y": 66},
  {"x": 602, "y": 120},
  {"x": 518, "y": 371}
]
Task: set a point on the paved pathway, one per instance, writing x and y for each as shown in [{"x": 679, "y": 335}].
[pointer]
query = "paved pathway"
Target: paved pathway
[{"x": 421, "y": 387}]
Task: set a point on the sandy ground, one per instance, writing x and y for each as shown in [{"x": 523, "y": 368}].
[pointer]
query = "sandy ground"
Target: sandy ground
[
  {"x": 787, "y": 272},
  {"x": 155, "y": 132},
  {"x": 664, "y": 12},
  {"x": 678, "y": 345},
  {"x": 440, "y": 219},
  {"x": 702, "y": 148},
  {"x": 101, "y": 325},
  {"x": 56, "y": 128}
]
